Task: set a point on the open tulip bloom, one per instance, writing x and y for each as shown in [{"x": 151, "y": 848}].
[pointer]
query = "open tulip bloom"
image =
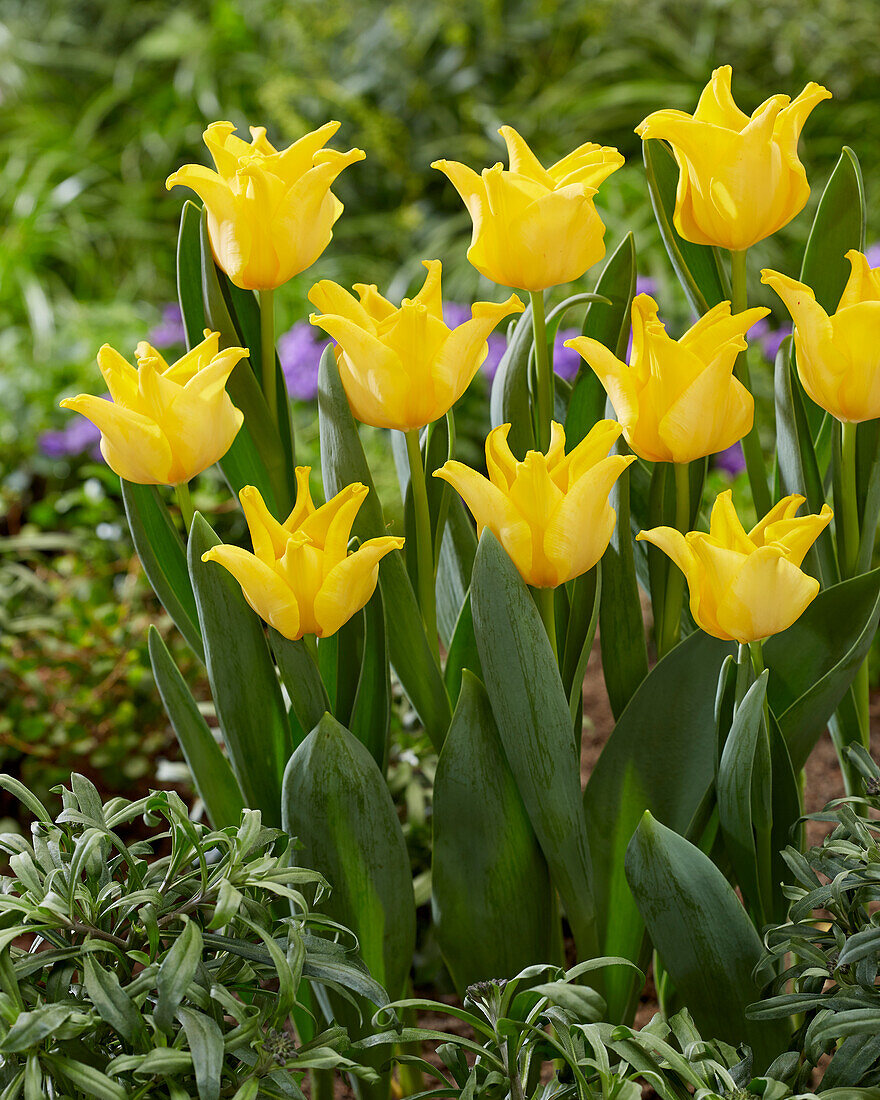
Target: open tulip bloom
[
  {"x": 164, "y": 423},
  {"x": 677, "y": 400},
  {"x": 300, "y": 577},
  {"x": 740, "y": 178},
  {"x": 838, "y": 357},
  {"x": 745, "y": 587},
  {"x": 550, "y": 512},
  {"x": 534, "y": 227},
  {"x": 403, "y": 367},
  {"x": 270, "y": 212}
]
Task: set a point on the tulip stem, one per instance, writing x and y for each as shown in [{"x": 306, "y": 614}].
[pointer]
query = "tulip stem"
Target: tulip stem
[
  {"x": 185, "y": 504},
  {"x": 751, "y": 443},
  {"x": 545, "y": 598},
  {"x": 424, "y": 551},
  {"x": 762, "y": 798},
  {"x": 849, "y": 566},
  {"x": 544, "y": 371},
  {"x": 670, "y": 628},
  {"x": 267, "y": 351}
]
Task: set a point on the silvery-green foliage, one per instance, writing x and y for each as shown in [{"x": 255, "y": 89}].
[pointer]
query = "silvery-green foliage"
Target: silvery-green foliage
[{"x": 164, "y": 967}]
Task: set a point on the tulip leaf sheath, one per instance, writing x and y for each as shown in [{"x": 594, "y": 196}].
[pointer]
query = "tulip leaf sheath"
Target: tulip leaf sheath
[
  {"x": 660, "y": 757},
  {"x": 509, "y": 401},
  {"x": 342, "y": 462},
  {"x": 242, "y": 677},
  {"x": 493, "y": 907},
  {"x": 532, "y": 714}
]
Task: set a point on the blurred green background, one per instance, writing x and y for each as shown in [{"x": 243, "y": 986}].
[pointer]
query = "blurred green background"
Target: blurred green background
[{"x": 101, "y": 101}]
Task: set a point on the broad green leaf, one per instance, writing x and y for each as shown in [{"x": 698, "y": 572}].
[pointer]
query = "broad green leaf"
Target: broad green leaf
[
  {"x": 701, "y": 932},
  {"x": 112, "y": 1003},
  {"x": 371, "y": 713},
  {"x": 176, "y": 971},
  {"x": 493, "y": 907},
  {"x": 509, "y": 400},
  {"x": 457, "y": 551},
  {"x": 337, "y": 804},
  {"x": 300, "y": 675},
  {"x": 205, "y": 1041},
  {"x": 462, "y": 653},
  {"x": 583, "y": 617},
  {"x": 534, "y": 723},
  {"x": 242, "y": 677},
  {"x": 90, "y": 1081},
  {"x": 212, "y": 775},
  {"x": 342, "y": 463},
  {"x": 163, "y": 556},
  {"x": 867, "y": 490},
  {"x": 813, "y": 663},
  {"x": 189, "y": 273},
  {"x": 610, "y": 325},
  {"x": 697, "y": 266},
  {"x": 660, "y": 757}
]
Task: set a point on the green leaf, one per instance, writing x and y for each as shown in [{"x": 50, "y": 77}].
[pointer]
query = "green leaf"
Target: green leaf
[
  {"x": 300, "y": 675},
  {"x": 457, "y": 551},
  {"x": 242, "y": 677},
  {"x": 337, "y": 804},
  {"x": 112, "y": 1003},
  {"x": 706, "y": 941},
  {"x": 532, "y": 714},
  {"x": 462, "y": 653},
  {"x": 813, "y": 663},
  {"x": 189, "y": 273},
  {"x": 660, "y": 757},
  {"x": 163, "y": 556},
  {"x": 583, "y": 617},
  {"x": 212, "y": 775},
  {"x": 610, "y": 325},
  {"x": 205, "y": 1041},
  {"x": 697, "y": 266},
  {"x": 90, "y": 1081},
  {"x": 342, "y": 463},
  {"x": 509, "y": 400},
  {"x": 176, "y": 971},
  {"x": 371, "y": 713},
  {"x": 493, "y": 908}
]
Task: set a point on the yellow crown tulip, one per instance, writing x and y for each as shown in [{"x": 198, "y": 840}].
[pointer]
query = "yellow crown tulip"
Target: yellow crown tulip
[
  {"x": 300, "y": 577},
  {"x": 534, "y": 227},
  {"x": 677, "y": 400},
  {"x": 745, "y": 587},
  {"x": 404, "y": 368},
  {"x": 164, "y": 424},
  {"x": 838, "y": 357},
  {"x": 550, "y": 512},
  {"x": 739, "y": 178},
  {"x": 270, "y": 212}
]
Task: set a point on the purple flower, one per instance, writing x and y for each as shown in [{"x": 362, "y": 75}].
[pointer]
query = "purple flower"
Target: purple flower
[
  {"x": 646, "y": 285},
  {"x": 772, "y": 342},
  {"x": 731, "y": 461},
  {"x": 170, "y": 331},
  {"x": 566, "y": 361},
  {"x": 872, "y": 253},
  {"x": 79, "y": 436},
  {"x": 300, "y": 353},
  {"x": 497, "y": 346}
]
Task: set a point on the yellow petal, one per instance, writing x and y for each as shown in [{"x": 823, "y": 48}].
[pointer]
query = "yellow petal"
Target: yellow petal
[
  {"x": 588, "y": 453},
  {"x": 766, "y": 597},
  {"x": 350, "y": 584},
  {"x": 268, "y": 536},
  {"x": 303, "y": 506},
  {"x": 589, "y": 164},
  {"x": 263, "y": 588},
  {"x": 500, "y": 461},
  {"x": 430, "y": 295},
  {"x": 718, "y": 328},
  {"x": 329, "y": 527},
  {"x": 211, "y": 188},
  {"x": 330, "y": 298},
  {"x": 710, "y": 415},
  {"x": 466, "y": 182},
  {"x": 796, "y": 535},
  {"x": 120, "y": 376},
  {"x": 863, "y": 284},
  {"x": 133, "y": 445},
  {"x": 299, "y": 157},
  {"x": 375, "y": 305},
  {"x": 781, "y": 512},
  {"x": 791, "y": 120},
  {"x": 717, "y": 104},
  {"x": 725, "y": 527},
  {"x": 522, "y": 160}
]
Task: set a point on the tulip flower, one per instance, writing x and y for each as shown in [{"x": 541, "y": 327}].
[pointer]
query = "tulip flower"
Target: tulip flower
[
  {"x": 300, "y": 577},
  {"x": 550, "y": 512},
  {"x": 404, "y": 367},
  {"x": 677, "y": 400},
  {"x": 270, "y": 213},
  {"x": 745, "y": 587},
  {"x": 164, "y": 424},
  {"x": 838, "y": 357},
  {"x": 534, "y": 227},
  {"x": 739, "y": 178}
]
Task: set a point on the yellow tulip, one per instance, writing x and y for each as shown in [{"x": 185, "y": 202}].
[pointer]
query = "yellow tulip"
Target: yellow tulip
[
  {"x": 677, "y": 400},
  {"x": 404, "y": 368},
  {"x": 745, "y": 587},
  {"x": 838, "y": 357},
  {"x": 164, "y": 424},
  {"x": 300, "y": 577},
  {"x": 739, "y": 178},
  {"x": 550, "y": 512},
  {"x": 270, "y": 213},
  {"x": 534, "y": 227}
]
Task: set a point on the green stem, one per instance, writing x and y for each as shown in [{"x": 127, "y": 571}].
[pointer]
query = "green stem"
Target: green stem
[
  {"x": 545, "y": 372},
  {"x": 267, "y": 351},
  {"x": 761, "y": 818},
  {"x": 545, "y": 598},
  {"x": 322, "y": 1082},
  {"x": 185, "y": 504},
  {"x": 670, "y": 629},
  {"x": 751, "y": 443},
  {"x": 849, "y": 568},
  {"x": 424, "y": 551}
]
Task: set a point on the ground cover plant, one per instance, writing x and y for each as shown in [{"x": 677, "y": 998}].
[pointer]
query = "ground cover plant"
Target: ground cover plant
[{"x": 483, "y": 597}]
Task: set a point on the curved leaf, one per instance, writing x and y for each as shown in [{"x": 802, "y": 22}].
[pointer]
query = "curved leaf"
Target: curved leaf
[
  {"x": 509, "y": 400},
  {"x": 300, "y": 675}
]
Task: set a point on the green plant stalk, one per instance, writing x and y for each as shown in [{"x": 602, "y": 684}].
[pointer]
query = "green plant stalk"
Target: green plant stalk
[
  {"x": 185, "y": 504},
  {"x": 544, "y": 372},
  {"x": 545, "y": 598},
  {"x": 849, "y": 567},
  {"x": 267, "y": 351},
  {"x": 322, "y": 1082},
  {"x": 425, "y": 554},
  {"x": 763, "y": 826},
  {"x": 670, "y": 628},
  {"x": 751, "y": 443}
]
